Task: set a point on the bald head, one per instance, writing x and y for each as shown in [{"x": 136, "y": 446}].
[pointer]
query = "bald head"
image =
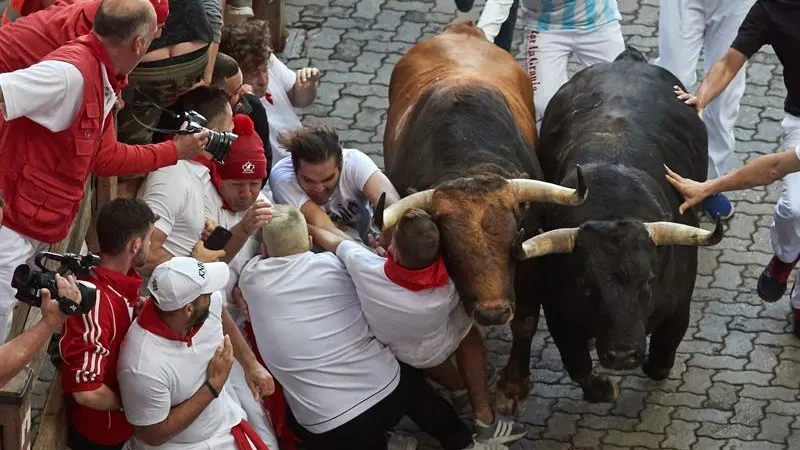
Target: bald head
[{"x": 119, "y": 21}]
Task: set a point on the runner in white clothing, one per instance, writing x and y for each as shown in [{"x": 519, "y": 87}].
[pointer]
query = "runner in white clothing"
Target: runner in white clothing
[
  {"x": 555, "y": 30},
  {"x": 333, "y": 187},
  {"x": 344, "y": 387},
  {"x": 412, "y": 306},
  {"x": 175, "y": 361},
  {"x": 279, "y": 88},
  {"x": 179, "y": 194},
  {"x": 238, "y": 206},
  {"x": 684, "y": 28}
]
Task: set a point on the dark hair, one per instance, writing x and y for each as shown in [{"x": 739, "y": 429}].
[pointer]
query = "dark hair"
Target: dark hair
[
  {"x": 224, "y": 68},
  {"x": 247, "y": 43},
  {"x": 210, "y": 102},
  {"x": 120, "y": 221},
  {"x": 417, "y": 239},
  {"x": 117, "y": 23},
  {"x": 313, "y": 144}
]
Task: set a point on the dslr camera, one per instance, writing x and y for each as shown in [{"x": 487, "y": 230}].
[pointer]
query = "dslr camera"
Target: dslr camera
[
  {"x": 28, "y": 282},
  {"x": 219, "y": 143}
]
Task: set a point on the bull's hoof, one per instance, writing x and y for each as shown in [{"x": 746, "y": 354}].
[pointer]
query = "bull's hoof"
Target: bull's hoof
[
  {"x": 656, "y": 373},
  {"x": 600, "y": 389},
  {"x": 511, "y": 397}
]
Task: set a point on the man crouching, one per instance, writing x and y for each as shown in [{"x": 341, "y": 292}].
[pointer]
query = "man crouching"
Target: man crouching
[{"x": 412, "y": 306}]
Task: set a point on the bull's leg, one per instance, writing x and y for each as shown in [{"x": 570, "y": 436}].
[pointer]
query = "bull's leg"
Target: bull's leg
[
  {"x": 514, "y": 384},
  {"x": 664, "y": 343},
  {"x": 573, "y": 345}
]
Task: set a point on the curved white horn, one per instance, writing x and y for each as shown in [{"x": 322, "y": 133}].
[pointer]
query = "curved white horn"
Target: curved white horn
[
  {"x": 561, "y": 240},
  {"x": 543, "y": 192},
  {"x": 671, "y": 233},
  {"x": 393, "y": 213}
]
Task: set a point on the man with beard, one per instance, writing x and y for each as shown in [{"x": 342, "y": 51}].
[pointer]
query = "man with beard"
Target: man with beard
[
  {"x": 90, "y": 343},
  {"x": 175, "y": 361},
  {"x": 331, "y": 186}
]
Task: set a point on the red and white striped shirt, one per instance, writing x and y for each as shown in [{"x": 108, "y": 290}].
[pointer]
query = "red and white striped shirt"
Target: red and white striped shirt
[{"x": 89, "y": 349}]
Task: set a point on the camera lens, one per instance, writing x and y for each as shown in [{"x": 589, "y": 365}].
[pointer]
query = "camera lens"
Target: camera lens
[
  {"x": 22, "y": 275},
  {"x": 219, "y": 144}
]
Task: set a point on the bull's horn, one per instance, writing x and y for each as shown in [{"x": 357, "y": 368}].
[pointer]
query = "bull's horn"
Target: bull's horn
[
  {"x": 391, "y": 215},
  {"x": 543, "y": 192},
  {"x": 561, "y": 240},
  {"x": 671, "y": 233}
]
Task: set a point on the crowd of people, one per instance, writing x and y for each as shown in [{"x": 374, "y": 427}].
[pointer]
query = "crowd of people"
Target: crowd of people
[{"x": 183, "y": 340}]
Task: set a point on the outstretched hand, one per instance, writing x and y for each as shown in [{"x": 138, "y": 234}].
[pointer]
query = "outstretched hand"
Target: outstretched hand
[
  {"x": 692, "y": 191},
  {"x": 689, "y": 99}
]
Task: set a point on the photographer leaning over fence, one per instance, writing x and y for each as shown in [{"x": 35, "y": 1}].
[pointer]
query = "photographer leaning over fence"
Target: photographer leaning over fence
[{"x": 56, "y": 130}]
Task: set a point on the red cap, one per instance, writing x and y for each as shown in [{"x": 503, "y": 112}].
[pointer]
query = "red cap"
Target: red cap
[
  {"x": 162, "y": 10},
  {"x": 246, "y": 160}
]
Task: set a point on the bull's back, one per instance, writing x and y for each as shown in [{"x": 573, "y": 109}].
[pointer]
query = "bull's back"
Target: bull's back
[
  {"x": 460, "y": 55},
  {"x": 623, "y": 112}
]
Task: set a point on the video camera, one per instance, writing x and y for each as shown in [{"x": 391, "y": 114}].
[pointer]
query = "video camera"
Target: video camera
[
  {"x": 219, "y": 143},
  {"x": 28, "y": 282}
]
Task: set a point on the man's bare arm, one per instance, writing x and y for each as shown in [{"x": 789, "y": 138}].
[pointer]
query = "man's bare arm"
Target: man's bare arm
[
  {"x": 717, "y": 79},
  {"x": 101, "y": 399},
  {"x": 157, "y": 254},
  {"x": 377, "y": 184},
  {"x": 318, "y": 217}
]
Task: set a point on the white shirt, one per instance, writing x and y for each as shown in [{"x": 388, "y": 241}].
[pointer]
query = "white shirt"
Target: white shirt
[
  {"x": 49, "y": 93},
  {"x": 178, "y": 195},
  {"x": 313, "y": 337},
  {"x": 156, "y": 374},
  {"x": 347, "y": 204},
  {"x": 422, "y": 328},
  {"x": 280, "y": 113}
]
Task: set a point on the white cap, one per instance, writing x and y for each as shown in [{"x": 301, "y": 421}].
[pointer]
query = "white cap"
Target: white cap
[{"x": 179, "y": 281}]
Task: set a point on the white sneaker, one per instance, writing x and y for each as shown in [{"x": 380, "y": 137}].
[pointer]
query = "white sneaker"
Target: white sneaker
[
  {"x": 500, "y": 432},
  {"x": 401, "y": 442}
]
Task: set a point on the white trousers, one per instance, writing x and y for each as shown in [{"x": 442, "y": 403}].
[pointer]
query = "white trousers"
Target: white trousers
[
  {"x": 547, "y": 54},
  {"x": 684, "y": 28},
  {"x": 256, "y": 415},
  {"x": 16, "y": 249}
]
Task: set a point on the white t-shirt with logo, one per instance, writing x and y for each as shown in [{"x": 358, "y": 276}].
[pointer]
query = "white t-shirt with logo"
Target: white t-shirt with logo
[
  {"x": 347, "y": 205},
  {"x": 422, "y": 328},
  {"x": 314, "y": 339},
  {"x": 156, "y": 374},
  {"x": 280, "y": 113},
  {"x": 178, "y": 194}
]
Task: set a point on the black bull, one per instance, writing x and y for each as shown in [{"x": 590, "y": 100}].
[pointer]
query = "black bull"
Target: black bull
[{"x": 627, "y": 267}]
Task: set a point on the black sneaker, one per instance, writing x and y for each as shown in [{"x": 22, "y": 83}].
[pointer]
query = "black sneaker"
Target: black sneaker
[
  {"x": 464, "y": 5},
  {"x": 773, "y": 280}
]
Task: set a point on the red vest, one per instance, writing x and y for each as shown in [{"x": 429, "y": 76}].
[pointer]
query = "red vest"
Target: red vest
[
  {"x": 43, "y": 173},
  {"x": 32, "y": 37}
]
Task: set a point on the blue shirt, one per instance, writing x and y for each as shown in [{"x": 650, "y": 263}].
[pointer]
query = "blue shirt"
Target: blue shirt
[{"x": 547, "y": 15}]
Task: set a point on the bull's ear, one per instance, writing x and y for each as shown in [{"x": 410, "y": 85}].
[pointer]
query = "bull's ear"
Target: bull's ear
[{"x": 377, "y": 215}]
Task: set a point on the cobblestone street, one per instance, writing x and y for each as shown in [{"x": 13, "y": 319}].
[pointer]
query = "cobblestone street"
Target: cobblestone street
[{"x": 735, "y": 385}]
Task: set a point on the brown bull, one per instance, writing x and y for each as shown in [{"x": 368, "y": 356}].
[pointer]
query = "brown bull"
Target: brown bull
[{"x": 460, "y": 135}]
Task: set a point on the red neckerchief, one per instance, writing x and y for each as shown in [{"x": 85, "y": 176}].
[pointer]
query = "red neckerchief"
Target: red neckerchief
[
  {"x": 268, "y": 97},
  {"x": 215, "y": 178},
  {"x": 243, "y": 434},
  {"x": 127, "y": 284},
  {"x": 100, "y": 52},
  {"x": 149, "y": 319},
  {"x": 433, "y": 276}
]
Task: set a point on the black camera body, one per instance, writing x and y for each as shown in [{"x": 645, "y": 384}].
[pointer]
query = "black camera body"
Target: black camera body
[
  {"x": 28, "y": 282},
  {"x": 219, "y": 143}
]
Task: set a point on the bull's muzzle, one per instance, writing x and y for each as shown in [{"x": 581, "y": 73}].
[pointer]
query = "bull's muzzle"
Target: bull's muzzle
[{"x": 493, "y": 315}]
